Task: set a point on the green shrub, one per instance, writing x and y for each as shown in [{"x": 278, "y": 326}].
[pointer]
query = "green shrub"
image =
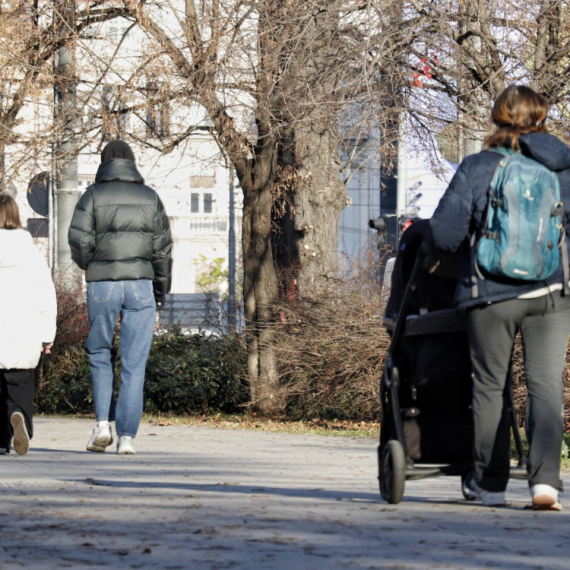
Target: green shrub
[
  {"x": 65, "y": 385},
  {"x": 64, "y": 380},
  {"x": 184, "y": 374},
  {"x": 195, "y": 373}
]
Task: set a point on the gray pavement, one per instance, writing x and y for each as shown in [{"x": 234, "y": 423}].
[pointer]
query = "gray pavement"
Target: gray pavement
[{"x": 204, "y": 498}]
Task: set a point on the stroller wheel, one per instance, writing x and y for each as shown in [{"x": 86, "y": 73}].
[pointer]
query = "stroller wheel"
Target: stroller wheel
[{"x": 392, "y": 472}]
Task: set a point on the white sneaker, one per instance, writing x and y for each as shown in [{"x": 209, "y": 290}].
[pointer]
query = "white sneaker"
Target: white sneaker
[
  {"x": 21, "y": 439},
  {"x": 101, "y": 437},
  {"x": 125, "y": 445},
  {"x": 471, "y": 490},
  {"x": 545, "y": 498}
]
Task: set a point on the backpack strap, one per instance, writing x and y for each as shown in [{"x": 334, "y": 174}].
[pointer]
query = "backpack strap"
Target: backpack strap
[
  {"x": 474, "y": 268},
  {"x": 559, "y": 211},
  {"x": 478, "y": 233},
  {"x": 565, "y": 269}
]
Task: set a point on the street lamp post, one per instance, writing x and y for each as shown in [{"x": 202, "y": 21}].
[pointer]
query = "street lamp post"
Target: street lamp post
[{"x": 232, "y": 254}]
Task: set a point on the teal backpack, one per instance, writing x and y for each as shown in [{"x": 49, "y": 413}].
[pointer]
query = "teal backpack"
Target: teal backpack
[{"x": 524, "y": 223}]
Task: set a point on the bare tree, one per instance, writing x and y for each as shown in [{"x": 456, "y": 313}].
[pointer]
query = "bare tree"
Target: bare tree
[
  {"x": 276, "y": 77},
  {"x": 30, "y": 41},
  {"x": 465, "y": 53}
]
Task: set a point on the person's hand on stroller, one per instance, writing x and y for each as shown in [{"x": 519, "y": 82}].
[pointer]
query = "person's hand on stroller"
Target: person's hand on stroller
[{"x": 430, "y": 261}]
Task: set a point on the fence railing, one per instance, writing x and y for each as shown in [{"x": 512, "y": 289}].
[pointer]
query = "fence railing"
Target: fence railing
[
  {"x": 204, "y": 224},
  {"x": 208, "y": 224},
  {"x": 198, "y": 311}
]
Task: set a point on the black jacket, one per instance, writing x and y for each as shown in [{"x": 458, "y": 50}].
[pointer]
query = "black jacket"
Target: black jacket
[
  {"x": 461, "y": 209},
  {"x": 120, "y": 230}
]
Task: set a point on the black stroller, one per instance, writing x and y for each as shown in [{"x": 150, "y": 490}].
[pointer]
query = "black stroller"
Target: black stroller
[{"x": 425, "y": 391}]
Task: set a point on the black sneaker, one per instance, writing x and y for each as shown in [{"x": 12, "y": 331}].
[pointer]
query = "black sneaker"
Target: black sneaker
[{"x": 472, "y": 491}]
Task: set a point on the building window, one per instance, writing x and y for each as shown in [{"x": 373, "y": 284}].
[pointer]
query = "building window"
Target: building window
[
  {"x": 85, "y": 180},
  {"x": 207, "y": 203},
  {"x": 158, "y": 120},
  {"x": 355, "y": 152},
  {"x": 194, "y": 203},
  {"x": 106, "y": 117},
  {"x": 91, "y": 33},
  {"x": 158, "y": 114},
  {"x": 125, "y": 124},
  {"x": 116, "y": 33},
  {"x": 116, "y": 119},
  {"x": 201, "y": 203}
]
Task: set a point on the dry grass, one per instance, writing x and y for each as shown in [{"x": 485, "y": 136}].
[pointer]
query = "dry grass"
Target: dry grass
[
  {"x": 274, "y": 425},
  {"x": 331, "y": 352}
]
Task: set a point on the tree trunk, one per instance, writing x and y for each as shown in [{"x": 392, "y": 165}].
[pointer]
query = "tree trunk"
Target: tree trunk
[
  {"x": 260, "y": 280},
  {"x": 310, "y": 195},
  {"x": 293, "y": 87},
  {"x": 304, "y": 248},
  {"x": 307, "y": 213}
]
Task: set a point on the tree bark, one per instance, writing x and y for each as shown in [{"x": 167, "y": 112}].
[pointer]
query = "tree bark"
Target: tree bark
[
  {"x": 260, "y": 284},
  {"x": 307, "y": 241}
]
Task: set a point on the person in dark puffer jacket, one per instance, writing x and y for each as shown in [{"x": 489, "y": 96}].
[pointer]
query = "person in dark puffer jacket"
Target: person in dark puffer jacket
[
  {"x": 503, "y": 307},
  {"x": 120, "y": 235}
]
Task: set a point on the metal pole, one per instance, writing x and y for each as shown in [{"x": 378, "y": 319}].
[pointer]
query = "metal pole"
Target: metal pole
[
  {"x": 2, "y": 166},
  {"x": 401, "y": 182},
  {"x": 51, "y": 224},
  {"x": 66, "y": 193},
  {"x": 232, "y": 255}
]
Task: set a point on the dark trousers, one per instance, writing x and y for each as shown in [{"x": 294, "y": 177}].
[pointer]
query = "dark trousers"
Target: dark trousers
[
  {"x": 17, "y": 390},
  {"x": 544, "y": 323}
]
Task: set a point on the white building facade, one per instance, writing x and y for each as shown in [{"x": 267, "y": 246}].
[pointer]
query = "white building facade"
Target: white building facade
[{"x": 191, "y": 177}]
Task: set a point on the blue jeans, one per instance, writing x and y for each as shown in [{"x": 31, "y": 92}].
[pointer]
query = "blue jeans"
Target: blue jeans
[{"x": 134, "y": 301}]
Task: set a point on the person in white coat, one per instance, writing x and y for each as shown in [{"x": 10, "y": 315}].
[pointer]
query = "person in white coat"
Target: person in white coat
[{"x": 27, "y": 325}]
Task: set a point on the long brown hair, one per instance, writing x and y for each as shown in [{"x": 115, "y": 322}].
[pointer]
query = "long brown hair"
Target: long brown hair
[
  {"x": 9, "y": 213},
  {"x": 518, "y": 110}
]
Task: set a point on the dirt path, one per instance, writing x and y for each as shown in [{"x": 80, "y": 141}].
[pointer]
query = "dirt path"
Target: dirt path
[{"x": 204, "y": 498}]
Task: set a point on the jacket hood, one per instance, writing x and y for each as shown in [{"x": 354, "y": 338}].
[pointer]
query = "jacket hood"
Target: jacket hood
[
  {"x": 119, "y": 169},
  {"x": 16, "y": 247},
  {"x": 546, "y": 149},
  {"x": 117, "y": 149}
]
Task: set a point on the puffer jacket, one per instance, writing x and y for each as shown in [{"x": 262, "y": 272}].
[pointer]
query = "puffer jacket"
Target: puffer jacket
[
  {"x": 460, "y": 213},
  {"x": 28, "y": 309},
  {"x": 120, "y": 230}
]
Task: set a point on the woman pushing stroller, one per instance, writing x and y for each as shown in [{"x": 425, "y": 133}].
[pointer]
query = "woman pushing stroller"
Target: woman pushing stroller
[
  {"x": 498, "y": 304},
  {"x": 27, "y": 326}
]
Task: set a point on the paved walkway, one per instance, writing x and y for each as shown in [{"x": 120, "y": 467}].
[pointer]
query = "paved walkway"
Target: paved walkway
[{"x": 202, "y": 498}]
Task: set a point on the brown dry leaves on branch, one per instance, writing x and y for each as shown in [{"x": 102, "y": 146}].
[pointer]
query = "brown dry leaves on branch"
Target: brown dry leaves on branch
[
  {"x": 331, "y": 351},
  {"x": 331, "y": 354}
]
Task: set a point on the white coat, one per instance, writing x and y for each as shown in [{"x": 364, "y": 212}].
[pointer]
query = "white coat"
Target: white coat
[{"x": 28, "y": 304}]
